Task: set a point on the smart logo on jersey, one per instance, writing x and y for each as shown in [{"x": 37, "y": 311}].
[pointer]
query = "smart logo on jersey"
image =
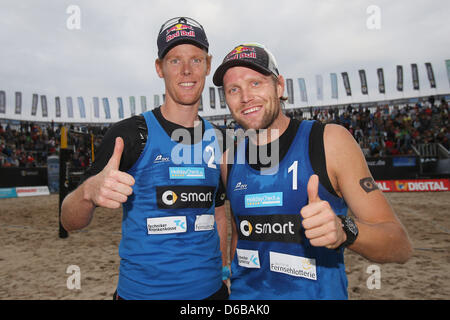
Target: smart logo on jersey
[
  {"x": 181, "y": 197},
  {"x": 279, "y": 227},
  {"x": 259, "y": 200},
  {"x": 169, "y": 197},
  {"x": 246, "y": 228}
]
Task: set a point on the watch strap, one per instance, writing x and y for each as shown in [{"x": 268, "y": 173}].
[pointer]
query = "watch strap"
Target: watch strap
[{"x": 350, "y": 229}]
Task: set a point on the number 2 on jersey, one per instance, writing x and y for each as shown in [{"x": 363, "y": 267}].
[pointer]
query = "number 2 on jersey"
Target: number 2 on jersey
[{"x": 211, "y": 163}]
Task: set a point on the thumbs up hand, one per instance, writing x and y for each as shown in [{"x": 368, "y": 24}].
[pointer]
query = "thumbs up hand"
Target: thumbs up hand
[
  {"x": 322, "y": 227},
  {"x": 110, "y": 187}
]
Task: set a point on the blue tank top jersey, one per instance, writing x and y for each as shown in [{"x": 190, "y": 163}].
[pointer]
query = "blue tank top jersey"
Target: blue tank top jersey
[
  {"x": 170, "y": 245},
  {"x": 274, "y": 259}
]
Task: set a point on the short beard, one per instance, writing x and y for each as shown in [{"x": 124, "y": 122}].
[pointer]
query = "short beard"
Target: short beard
[{"x": 268, "y": 119}]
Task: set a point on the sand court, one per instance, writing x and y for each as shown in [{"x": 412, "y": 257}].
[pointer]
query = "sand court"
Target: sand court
[{"x": 35, "y": 262}]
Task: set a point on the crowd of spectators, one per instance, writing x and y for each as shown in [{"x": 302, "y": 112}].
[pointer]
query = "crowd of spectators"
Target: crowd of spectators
[
  {"x": 389, "y": 130},
  {"x": 379, "y": 130},
  {"x": 28, "y": 144}
]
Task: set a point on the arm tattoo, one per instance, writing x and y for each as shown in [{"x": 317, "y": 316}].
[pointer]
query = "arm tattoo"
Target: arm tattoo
[{"x": 368, "y": 184}]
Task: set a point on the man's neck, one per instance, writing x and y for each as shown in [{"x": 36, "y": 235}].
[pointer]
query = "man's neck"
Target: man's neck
[
  {"x": 273, "y": 132},
  {"x": 180, "y": 114}
]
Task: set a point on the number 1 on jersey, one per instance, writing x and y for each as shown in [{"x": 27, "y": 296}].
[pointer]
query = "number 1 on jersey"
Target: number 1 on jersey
[{"x": 294, "y": 168}]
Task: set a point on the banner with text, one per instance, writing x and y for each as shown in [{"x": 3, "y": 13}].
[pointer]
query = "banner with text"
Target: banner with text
[
  {"x": 399, "y": 78},
  {"x": 381, "y": 86},
  {"x": 346, "y": 81},
  {"x": 418, "y": 185},
  {"x": 362, "y": 77},
  {"x": 415, "y": 76},
  {"x": 430, "y": 74}
]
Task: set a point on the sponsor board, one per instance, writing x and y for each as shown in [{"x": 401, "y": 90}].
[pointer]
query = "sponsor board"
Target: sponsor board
[
  {"x": 8, "y": 193},
  {"x": 32, "y": 191},
  {"x": 24, "y": 192},
  {"x": 419, "y": 185}
]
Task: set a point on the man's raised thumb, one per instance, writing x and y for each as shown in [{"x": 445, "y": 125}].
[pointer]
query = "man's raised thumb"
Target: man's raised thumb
[
  {"x": 313, "y": 189},
  {"x": 114, "y": 161}
]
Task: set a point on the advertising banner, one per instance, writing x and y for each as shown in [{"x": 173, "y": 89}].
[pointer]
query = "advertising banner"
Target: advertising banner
[
  {"x": 319, "y": 85},
  {"x": 106, "y": 108},
  {"x": 200, "y": 107},
  {"x": 430, "y": 75},
  {"x": 302, "y": 86},
  {"x": 418, "y": 185},
  {"x": 57, "y": 107},
  {"x": 399, "y": 78},
  {"x": 334, "y": 86},
  {"x": 143, "y": 104},
  {"x": 212, "y": 97},
  {"x": 362, "y": 77},
  {"x": 447, "y": 66},
  {"x": 96, "y": 107},
  {"x": 34, "y": 104},
  {"x": 346, "y": 81},
  {"x": 223, "y": 104},
  {"x": 44, "y": 106},
  {"x": 69, "y": 107},
  {"x": 53, "y": 173},
  {"x": 132, "y": 106},
  {"x": 2, "y": 102},
  {"x": 415, "y": 76},
  {"x": 120, "y": 108},
  {"x": 381, "y": 86},
  {"x": 18, "y": 109},
  {"x": 290, "y": 91},
  {"x": 81, "y": 107}
]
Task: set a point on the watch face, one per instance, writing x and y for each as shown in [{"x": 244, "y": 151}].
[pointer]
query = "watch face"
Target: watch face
[{"x": 351, "y": 226}]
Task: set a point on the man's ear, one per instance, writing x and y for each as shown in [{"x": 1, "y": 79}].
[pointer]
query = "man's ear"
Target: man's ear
[
  {"x": 208, "y": 64},
  {"x": 280, "y": 86},
  {"x": 159, "y": 67}
]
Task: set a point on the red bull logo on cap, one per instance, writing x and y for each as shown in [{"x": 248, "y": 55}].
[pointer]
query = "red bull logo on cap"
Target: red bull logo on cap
[
  {"x": 179, "y": 27},
  {"x": 240, "y": 49},
  {"x": 242, "y": 52},
  {"x": 180, "y": 30}
]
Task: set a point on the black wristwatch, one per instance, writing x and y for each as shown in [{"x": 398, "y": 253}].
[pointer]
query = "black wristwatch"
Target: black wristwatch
[{"x": 350, "y": 229}]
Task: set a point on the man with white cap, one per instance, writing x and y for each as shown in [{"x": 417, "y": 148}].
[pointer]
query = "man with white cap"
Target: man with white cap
[{"x": 290, "y": 223}]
